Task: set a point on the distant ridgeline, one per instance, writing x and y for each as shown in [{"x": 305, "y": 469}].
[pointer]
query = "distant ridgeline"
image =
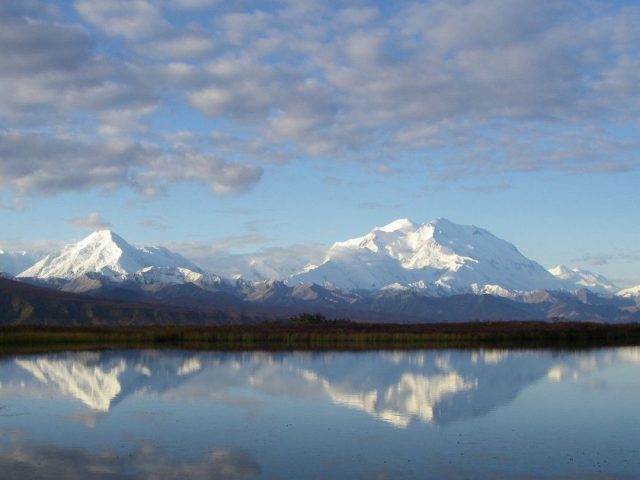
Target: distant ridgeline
[{"x": 402, "y": 272}]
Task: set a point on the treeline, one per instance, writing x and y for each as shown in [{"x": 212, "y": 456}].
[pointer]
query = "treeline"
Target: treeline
[{"x": 312, "y": 331}]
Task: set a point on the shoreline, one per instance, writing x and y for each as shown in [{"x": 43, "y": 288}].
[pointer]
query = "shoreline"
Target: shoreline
[{"x": 324, "y": 335}]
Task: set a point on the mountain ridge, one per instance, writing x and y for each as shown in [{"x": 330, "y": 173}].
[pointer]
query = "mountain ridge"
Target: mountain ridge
[{"x": 437, "y": 258}]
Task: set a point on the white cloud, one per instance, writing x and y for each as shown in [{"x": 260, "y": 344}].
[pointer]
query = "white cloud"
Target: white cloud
[
  {"x": 267, "y": 263},
  {"x": 92, "y": 221},
  {"x": 505, "y": 85},
  {"x": 238, "y": 26},
  {"x": 180, "y": 47},
  {"x": 192, "y": 4},
  {"x": 479, "y": 65},
  {"x": 36, "y": 163},
  {"x": 124, "y": 121},
  {"x": 131, "y": 19},
  {"x": 51, "y": 70}
]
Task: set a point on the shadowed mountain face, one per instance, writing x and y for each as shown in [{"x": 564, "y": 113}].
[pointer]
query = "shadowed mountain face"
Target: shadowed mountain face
[
  {"x": 105, "y": 302},
  {"x": 22, "y": 304}
]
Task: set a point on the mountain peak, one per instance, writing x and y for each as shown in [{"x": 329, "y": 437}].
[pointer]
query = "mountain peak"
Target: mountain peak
[
  {"x": 101, "y": 236},
  {"x": 439, "y": 256},
  {"x": 108, "y": 254},
  {"x": 579, "y": 278},
  {"x": 443, "y": 221},
  {"x": 105, "y": 233},
  {"x": 630, "y": 292},
  {"x": 560, "y": 270},
  {"x": 399, "y": 224}
]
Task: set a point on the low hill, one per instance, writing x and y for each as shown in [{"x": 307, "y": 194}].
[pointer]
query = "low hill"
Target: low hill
[{"x": 23, "y": 304}]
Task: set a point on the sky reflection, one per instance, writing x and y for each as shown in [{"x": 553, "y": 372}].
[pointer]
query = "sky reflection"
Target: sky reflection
[{"x": 173, "y": 414}]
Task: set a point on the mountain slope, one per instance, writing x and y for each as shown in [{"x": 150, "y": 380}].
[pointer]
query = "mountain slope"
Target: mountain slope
[
  {"x": 630, "y": 292},
  {"x": 108, "y": 254},
  {"x": 23, "y": 304},
  {"x": 576, "y": 277},
  {"x": 440, "y": 257}
]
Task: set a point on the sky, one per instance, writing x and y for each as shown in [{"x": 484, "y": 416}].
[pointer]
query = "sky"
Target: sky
[{"x": 215, "y": 126}]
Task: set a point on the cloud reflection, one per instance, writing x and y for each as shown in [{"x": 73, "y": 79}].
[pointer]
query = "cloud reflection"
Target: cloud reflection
[{"x": 44, "y": 461}]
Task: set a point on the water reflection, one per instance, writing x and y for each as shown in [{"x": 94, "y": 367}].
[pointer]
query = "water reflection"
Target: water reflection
[
  {"x": 45, "y": 461},
  {"x": 396, "y": 414},
  {"x": 394, "y": 387}
]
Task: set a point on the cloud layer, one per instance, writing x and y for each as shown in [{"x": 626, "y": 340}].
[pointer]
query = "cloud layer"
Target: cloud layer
[{"x": 465, "y": 86}]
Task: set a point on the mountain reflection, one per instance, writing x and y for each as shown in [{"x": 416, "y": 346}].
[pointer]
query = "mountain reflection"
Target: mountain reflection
[
  {"x": 395, "y": 387},
  {"x": 95, "y": 386}
]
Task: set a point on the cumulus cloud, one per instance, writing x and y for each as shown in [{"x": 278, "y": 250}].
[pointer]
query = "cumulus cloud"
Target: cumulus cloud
[
  {"x": 492, "y": 86},
  {"x": 191, "y": 4},
  {"x": 50, "y": 74},
  {"x": 92, "y": 221},
  {"x": 179, "y": 47},
  {"x": 50, "y": 70},
  {"x": 131, "y": 19},
  {"x": 34, "y": 163},
  {"x": 121, "y": 122},
  {"x": 430, "y": 75},
  {"x": 220, "y": 175},
  {"x": 37, "y": 163}
]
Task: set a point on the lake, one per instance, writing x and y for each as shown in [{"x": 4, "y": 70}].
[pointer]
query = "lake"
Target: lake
[{"x": 428, "y": 414}]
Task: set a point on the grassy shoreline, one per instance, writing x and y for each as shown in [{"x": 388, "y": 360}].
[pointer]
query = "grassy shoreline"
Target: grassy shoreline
[{"x": 325, "y": 335}]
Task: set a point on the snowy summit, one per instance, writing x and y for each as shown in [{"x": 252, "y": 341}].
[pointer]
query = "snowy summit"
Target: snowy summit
[
  {"x": 439, "y": 256},
  {"x": 584, "y": 278},
  {"x": 108, "y": 254}
]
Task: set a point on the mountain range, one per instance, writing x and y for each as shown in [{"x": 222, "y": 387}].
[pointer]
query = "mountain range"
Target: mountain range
[{"x": 402, "y": 271}]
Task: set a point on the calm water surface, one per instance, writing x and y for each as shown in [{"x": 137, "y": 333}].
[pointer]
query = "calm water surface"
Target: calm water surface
[{"x": 483, "y": 414}]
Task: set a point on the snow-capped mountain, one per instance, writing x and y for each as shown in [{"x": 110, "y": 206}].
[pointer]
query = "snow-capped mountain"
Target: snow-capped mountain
[
  {"x": 15, "y": 262},
  {"x": 583, "y": 278},
  {"x": 110, "y": 255},
  {"x": 171, "y": 275},
  {"x": 437, "y": 271},
  {"x": 630, "y": 292},
  {"x": 440, "y": 257}
]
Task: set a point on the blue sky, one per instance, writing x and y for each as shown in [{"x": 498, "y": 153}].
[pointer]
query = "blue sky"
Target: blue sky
[{"x": 211, "y": 126}]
